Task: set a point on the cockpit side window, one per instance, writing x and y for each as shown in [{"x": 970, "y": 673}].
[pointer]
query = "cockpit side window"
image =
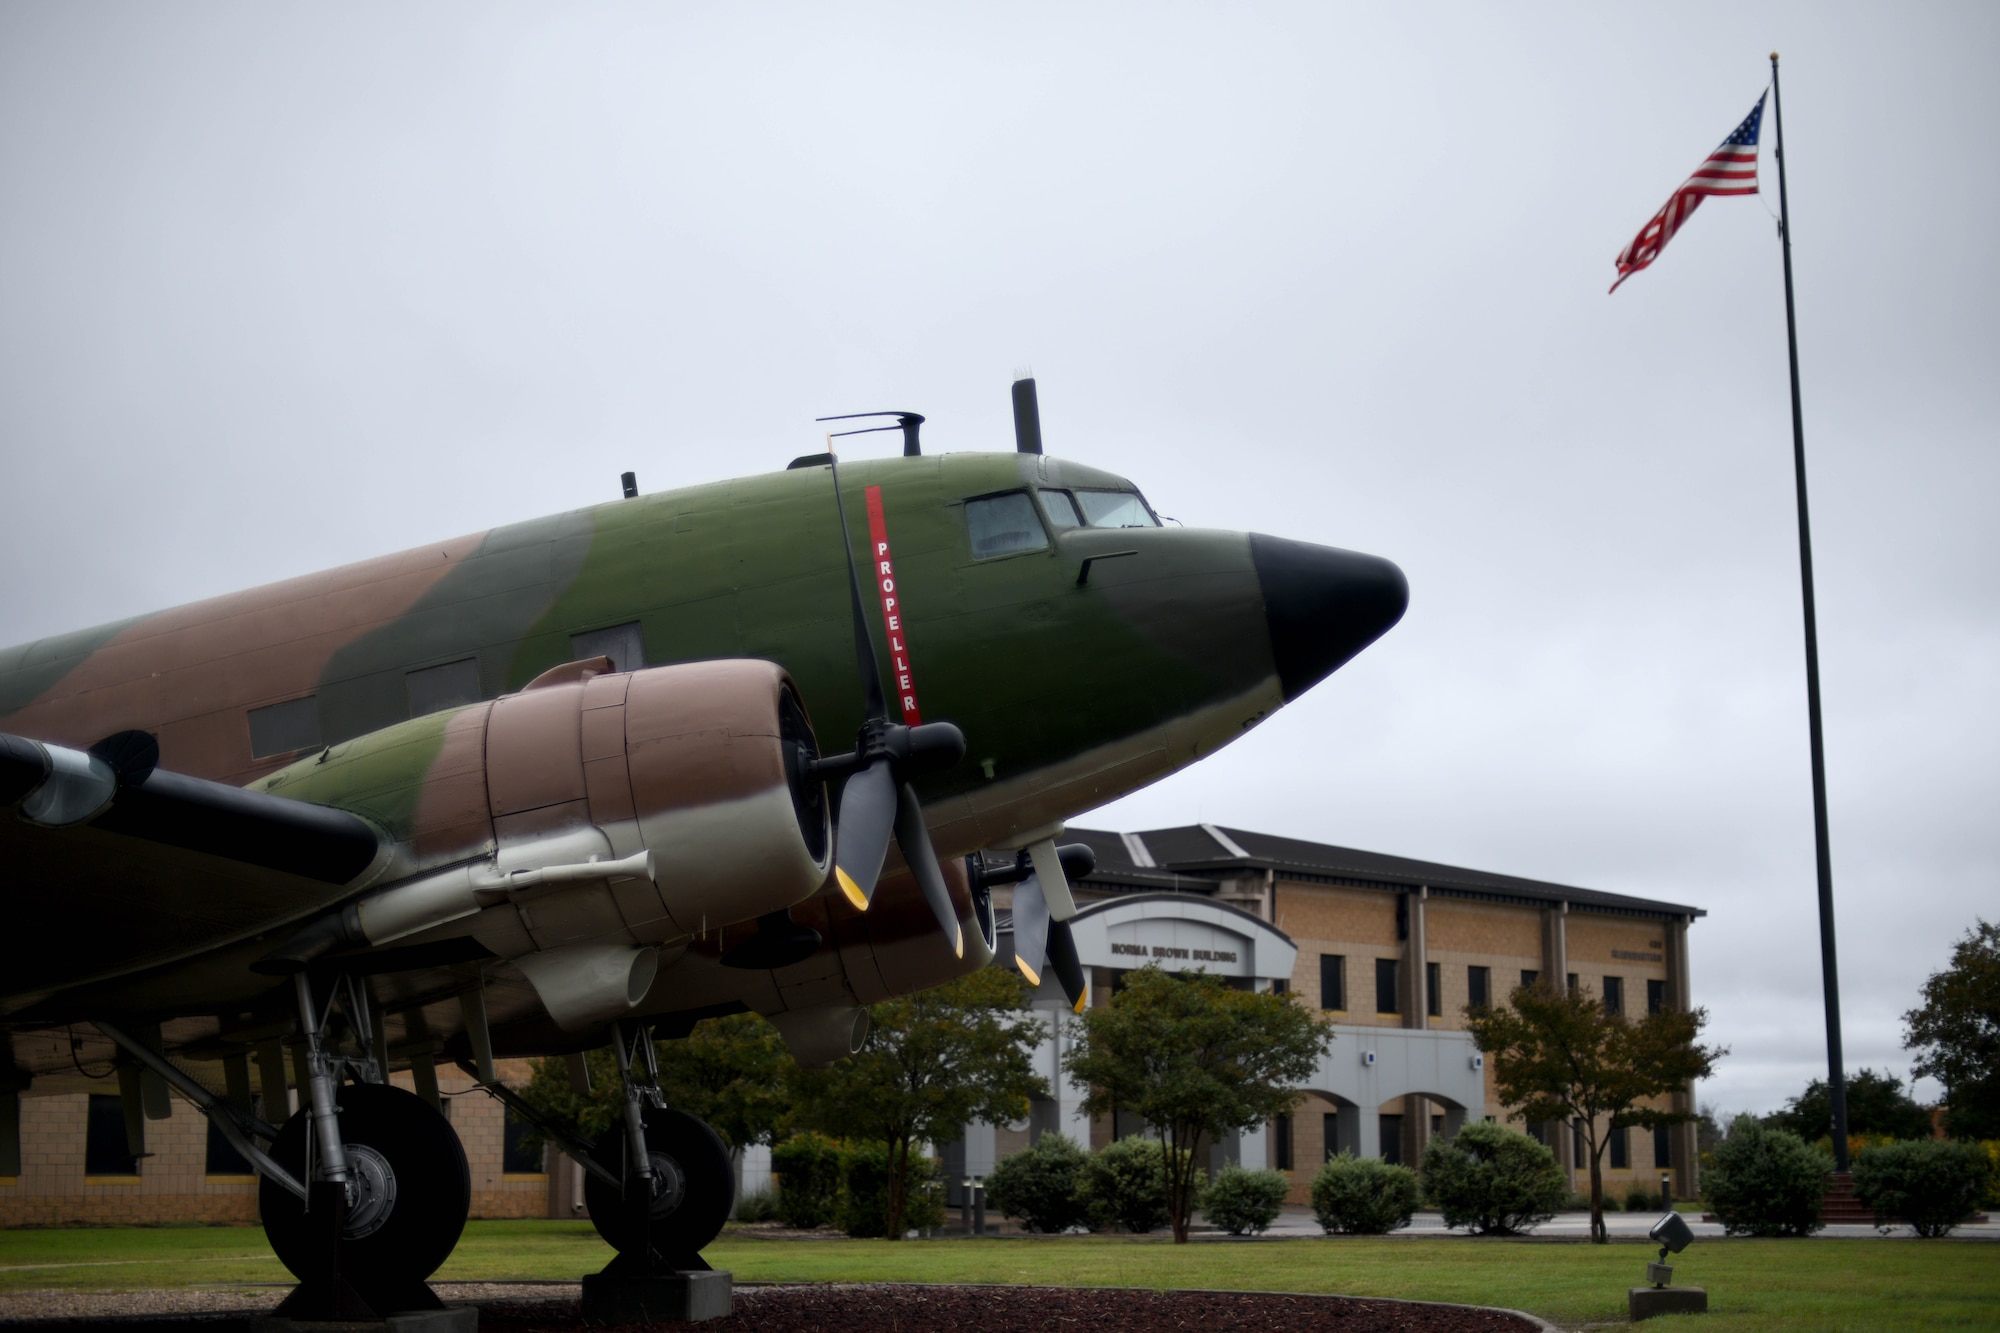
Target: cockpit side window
[
  {"x": 1004, "y": 524},
  {"x": 1062, "y": 510},
  {"x": 1115, "y": 509}
]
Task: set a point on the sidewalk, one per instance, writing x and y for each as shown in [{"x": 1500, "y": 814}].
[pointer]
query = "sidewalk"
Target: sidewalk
[{"x": 1298, "y": 1221}]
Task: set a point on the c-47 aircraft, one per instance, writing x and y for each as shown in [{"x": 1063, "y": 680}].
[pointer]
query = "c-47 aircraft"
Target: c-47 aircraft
[{"x": 562, "y": 784}]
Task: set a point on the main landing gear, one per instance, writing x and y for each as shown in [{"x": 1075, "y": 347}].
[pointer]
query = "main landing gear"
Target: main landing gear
[
  {"x": 666, "y": 1186},
  {"x": 387, "y": 1186}
]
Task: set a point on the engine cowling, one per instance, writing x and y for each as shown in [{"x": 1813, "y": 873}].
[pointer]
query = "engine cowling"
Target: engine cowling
[{"x": 613, "y": 813}]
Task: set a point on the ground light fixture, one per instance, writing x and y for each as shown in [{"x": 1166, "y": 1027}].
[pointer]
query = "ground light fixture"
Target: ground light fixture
[{"x": 1674, "y": 1235}]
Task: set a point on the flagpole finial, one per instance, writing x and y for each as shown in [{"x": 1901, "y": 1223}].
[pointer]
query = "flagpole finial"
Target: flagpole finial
[{"x": 1774, "y": 57}]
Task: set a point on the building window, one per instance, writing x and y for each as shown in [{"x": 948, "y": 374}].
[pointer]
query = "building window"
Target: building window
[
  {"x": 623, "y": 644},
  {"x": 1663, "y": 1147},
  {"x": 1572, "y": 983},
  {"x": 434, "y": 689},
  {"x": 1391, "y": 1130},
  {"x": 1656, "y": 996},
  {"x": 1330, "y": 1131},
  {"x": 1280, "y": 985},
  {"x": 1281, "y": 1142},
  {"x": 1576, "y": 1148},
  {"x": 222, "y": 1159},
  {"x": 1479, "y": 986},
  {"x": 105, "y": 1149},
  {"x": 1614, "y": 995},
  {"x": 517, "y": 1158},
  {"x": 1333, "y": 981},
  {"x": 283, "y": 728},
  {"x": 1621, "y": 1150},
  {"x": 1385, "y": 987},
  {"x": 1434, "y": 989},
  {"x": 1529, "y": 976}
]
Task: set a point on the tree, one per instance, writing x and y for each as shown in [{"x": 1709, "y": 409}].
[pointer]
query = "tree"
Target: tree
[
  {"x": 1559, "y": 1054},
  {"x": 933, "y": 1061},
  {"x": 731, "y": 1071},
  {"x": 1956, "y": 1033},
  {"x": 1193, "y": 1058},
  {"x": 1876, "y": 1104}
]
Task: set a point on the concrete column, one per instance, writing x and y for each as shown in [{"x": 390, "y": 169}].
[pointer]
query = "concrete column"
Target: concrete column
[
  {"x": 1683, "y": 1139},
  {"x": 1367, "y": 1123},
  {"x": 1555, "y": 945},
  {"x": 1416, "y": 1008}
]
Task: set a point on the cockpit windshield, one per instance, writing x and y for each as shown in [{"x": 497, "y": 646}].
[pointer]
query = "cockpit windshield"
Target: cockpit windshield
[{"x": 1113, "y": 509}]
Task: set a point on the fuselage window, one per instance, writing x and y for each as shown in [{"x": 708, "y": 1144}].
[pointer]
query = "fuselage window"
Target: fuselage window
[
  {"x": 1062, "y": 510},
  {"x": 434, "y": 689},
  {"x": 623, "y": 644},
  {"x": 1116, "y": 509},
  {"x": 282, "y": 728},
  {"x": 1003, "y": 524}
]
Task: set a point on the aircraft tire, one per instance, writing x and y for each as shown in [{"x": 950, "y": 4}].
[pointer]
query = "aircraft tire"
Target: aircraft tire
[
  {"x": 691, "y": 1213},
  {"x": 409, "y": 1228}
]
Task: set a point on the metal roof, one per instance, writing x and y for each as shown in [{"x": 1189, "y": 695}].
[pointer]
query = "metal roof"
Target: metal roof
[{"x": 1196, "y": 856}]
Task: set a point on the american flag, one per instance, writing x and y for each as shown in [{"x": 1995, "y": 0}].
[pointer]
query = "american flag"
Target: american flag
[{"x": 1730, "y": 169}]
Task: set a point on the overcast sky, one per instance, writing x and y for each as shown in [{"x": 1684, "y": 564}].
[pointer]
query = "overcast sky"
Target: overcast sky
[{"x": 283, "y": 287}]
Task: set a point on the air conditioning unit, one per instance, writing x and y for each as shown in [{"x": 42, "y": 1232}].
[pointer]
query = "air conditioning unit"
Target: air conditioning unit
[
  {"x": 1368, "y": 1057},
  {"x": 1479, "y": 1060}
]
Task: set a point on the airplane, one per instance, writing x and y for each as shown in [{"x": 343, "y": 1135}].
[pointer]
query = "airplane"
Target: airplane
[{"x": 563, "y": 784}]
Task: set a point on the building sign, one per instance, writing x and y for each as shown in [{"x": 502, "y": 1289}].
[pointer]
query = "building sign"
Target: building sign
[
  {"x": 1633, "y": 956},
  {"x": 1173, "y": 951}
]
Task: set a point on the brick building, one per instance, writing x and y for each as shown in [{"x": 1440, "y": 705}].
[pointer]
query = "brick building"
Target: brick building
[
  {"x": 77, "y": 1164},
  {"x": 1390, "y": 951}
]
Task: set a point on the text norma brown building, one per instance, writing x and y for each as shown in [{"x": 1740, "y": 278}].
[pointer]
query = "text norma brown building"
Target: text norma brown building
[{"x": 1390, "y": 951}]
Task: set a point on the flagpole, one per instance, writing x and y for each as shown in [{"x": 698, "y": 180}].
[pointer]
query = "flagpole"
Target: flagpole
[{"x": 1836, "y": 1072}]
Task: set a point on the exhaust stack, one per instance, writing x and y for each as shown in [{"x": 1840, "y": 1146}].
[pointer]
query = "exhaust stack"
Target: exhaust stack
[{"x": 1027, "y": 416}]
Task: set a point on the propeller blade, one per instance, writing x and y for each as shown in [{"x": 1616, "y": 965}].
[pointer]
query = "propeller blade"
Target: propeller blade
[
  {"x": 1055, "y": 883},
  {"x": 867, "y": 817},
  {"x": 915, "y": 840},
  {"x": 1031, "y": 929},
  {"x": 1066, "y": 965},
  {"x": 874, "y": 706}
]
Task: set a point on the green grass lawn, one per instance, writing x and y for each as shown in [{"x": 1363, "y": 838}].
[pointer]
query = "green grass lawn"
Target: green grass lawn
[{"x": 1783, "y": 1285}]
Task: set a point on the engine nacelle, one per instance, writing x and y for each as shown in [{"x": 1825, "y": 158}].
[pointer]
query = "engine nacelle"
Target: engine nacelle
[{"x": 616, "y": 812}]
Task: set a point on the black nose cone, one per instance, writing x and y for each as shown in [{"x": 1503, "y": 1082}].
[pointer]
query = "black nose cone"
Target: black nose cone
[{"x": 1323, "y": 606}]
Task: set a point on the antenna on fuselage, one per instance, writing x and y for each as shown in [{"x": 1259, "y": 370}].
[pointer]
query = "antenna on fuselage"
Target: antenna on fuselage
[
  {"x": 1027, "y": 414},
  {"x": 907, "y": 422}
]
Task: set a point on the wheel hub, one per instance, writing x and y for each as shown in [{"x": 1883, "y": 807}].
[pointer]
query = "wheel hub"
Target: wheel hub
[
  {"x": 371, "y": 1191},
  {"x": 671, "y": 1182}
]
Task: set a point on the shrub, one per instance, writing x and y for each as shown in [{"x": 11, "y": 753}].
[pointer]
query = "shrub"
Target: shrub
[
  {"x": 864, "y": 1191},
  {"x": 808, "y": 1170},
  {"x": 1244, "y": 1202},
  {"x": 1042, "y": 1187},
  {"x": 1125, "y": 1184},
  {"x": 1639, "y": 1199},
  {"x": 759, "y": 1207},
  {"x": 1576, "y": 1202},
  {"x": 1929, "y": 1183},
  {"x": 1766, "y": 1182},
  {"x": 1493, "y": 1180},
  {"x": 1363, "y": 1196}
]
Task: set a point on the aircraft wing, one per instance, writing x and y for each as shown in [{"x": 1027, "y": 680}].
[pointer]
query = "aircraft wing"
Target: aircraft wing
[{"x": 110, "y": 864}]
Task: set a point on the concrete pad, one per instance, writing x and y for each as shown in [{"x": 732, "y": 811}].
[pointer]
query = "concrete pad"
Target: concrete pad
[
  {"x": 683, "y": 1298},
  {"x": 451, "y": 1319},
  {"x": 1645, "y": 1302}
]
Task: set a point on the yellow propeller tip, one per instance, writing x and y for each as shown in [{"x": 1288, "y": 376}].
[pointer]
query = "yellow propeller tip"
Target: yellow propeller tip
[
  {"x": 1077, "y": 1008},
  {"x": 958, "y": 946},
  {"x": 851, "y": 889},
  {"x": 1034, "y": 977}
]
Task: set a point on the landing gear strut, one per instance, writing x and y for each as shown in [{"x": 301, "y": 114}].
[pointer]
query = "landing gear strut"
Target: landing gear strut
[
  {"x": 388, "y": 1188},
  {"x": 675, "y": 1187}
]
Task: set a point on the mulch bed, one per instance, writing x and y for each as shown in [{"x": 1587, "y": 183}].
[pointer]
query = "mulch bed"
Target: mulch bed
[{"x": 868, "y": 1308}]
